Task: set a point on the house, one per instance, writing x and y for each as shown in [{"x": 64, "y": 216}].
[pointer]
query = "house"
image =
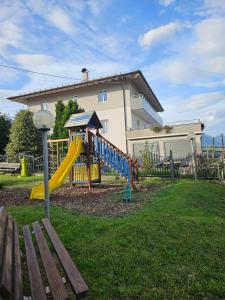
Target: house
[{"x": 128, "y": 110}]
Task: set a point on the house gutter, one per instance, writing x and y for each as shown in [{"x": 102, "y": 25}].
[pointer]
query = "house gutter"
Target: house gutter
[{"x": 125, "y": 115}]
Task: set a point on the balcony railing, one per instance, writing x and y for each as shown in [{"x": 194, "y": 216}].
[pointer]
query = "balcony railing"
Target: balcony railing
[{"x": 143, "y": 108}]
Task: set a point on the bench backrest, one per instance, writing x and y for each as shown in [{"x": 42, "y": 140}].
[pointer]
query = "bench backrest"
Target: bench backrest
[
  {"x": 12, "y": 166},
  {"x": 10, "y": 264}
]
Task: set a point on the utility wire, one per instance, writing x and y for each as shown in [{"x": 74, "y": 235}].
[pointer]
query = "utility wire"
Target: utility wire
[{"x": 39, "y": 73}]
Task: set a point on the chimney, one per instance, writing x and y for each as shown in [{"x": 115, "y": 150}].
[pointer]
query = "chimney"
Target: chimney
[{"x": 85, "y": 74}]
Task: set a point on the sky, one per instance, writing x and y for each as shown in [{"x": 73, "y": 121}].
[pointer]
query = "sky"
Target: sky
[{"x": 179, "y": 45}]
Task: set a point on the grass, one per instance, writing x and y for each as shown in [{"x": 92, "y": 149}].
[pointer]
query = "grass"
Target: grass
[
  {"x": 11, "y": 181},
  {"x": 174, "y": 248}
]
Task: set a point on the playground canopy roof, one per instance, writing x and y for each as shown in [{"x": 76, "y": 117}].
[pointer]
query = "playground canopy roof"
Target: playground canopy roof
[{"x": 83, "y": 120}]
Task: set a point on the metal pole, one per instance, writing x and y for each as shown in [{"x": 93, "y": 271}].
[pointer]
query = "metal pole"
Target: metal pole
[
  {"x": 193, "y": 159},
  {"x": 46, "y": 176},
  {"x": 222, "y": 140},
  {"x": 172, "y": 165}
]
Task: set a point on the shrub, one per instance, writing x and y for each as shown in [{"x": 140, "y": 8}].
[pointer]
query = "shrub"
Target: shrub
[
  {"x": 5, "y": 124},
  {"x": 157, "y": 128},
  {"x": 24, "y": 137}
]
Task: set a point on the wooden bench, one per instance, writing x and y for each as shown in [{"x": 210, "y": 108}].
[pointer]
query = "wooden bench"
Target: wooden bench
[
  {"x": 10, "y": 167},
  {"x": 45, "y": 278}
]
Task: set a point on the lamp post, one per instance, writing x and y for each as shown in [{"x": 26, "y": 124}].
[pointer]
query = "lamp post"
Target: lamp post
[
  {"x": 44, "y": 121},
  {"x": 191, "y": 137}
]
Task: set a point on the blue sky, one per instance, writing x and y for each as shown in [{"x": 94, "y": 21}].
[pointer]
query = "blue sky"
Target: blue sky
[{"x": 178, "y": 44}]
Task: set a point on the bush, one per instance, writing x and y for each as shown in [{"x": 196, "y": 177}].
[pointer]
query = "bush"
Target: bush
[
  {"x": 24, "y": 137},
  {"x": 5, "y": 124},
  {"x": 157, "y": 128}
]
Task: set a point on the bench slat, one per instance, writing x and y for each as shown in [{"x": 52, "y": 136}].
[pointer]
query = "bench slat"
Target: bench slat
[
  {"x": 56, "y": 285},
  {"x": 6, "y": 272},
  {"x": 79, "y": 286},
  {"x": 17, "y": 277},
  {"x": 3, "y": 216},
  {"x": 37, "y": 288}
]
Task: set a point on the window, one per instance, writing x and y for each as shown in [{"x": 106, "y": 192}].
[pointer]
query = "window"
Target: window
[
  {"x": 105, "y": 126},
  {"x": 44, "y": 105},
  {"x": 102, "y": 96}
]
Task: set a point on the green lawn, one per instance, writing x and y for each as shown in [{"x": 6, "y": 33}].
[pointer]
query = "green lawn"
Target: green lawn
[
  {"x": 17, "y": 181},
  {"x": 174, "y": 248}
]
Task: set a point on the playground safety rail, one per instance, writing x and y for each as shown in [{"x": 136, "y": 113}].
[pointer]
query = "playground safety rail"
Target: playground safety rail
[{"x": 122, "y": 163}]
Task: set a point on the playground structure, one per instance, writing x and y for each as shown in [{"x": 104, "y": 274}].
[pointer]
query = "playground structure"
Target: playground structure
[{"x": 87, "y": 150}]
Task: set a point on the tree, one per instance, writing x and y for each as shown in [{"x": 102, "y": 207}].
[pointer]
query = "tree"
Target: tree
[
  {"x": 147, "y": 155},
  {"x": 146, "y": 161},
  {"x": 63, "y": 112},
  {"x": 5, "y": 124},
  {"x": 59, "y": 126},
  {"x": 24, "y": 137}
]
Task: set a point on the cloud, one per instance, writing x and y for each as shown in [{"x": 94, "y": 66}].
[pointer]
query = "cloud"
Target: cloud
[
  {"x": 12, "y": 15},
  {"x": 203, "y": 100},
  {"x": 196, "y": 58},
  {"x": 159, "y": 35},
  {"x": 203, "y": 106},
  {"x": 6, "y": 106},
  {"x": 10, "y": 35},
  {"x": 60, "y": 19},
  {"x": 166, "y": 2},
  {"x": 28, "y": 60},
  {"x": 208, "y": 35},
  {"x": 177, "y": 70},
  {"x": 209, "y": 8}
]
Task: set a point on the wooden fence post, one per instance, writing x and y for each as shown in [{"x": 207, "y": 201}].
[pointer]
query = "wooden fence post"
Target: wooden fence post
[{"x": 131, "y": 174}]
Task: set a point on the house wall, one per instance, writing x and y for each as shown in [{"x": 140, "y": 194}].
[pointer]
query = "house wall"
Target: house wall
[
  {"x": 177, "y": 139},
  {"x": 112, "y": 110}
]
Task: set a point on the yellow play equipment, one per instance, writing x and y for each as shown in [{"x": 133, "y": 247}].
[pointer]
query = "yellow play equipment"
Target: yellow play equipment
[
  {"x": 75, "y": 149},
  {"x": 80, "y": 173}
]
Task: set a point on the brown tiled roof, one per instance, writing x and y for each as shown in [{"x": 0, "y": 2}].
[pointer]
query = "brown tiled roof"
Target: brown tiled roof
[{"x": 136, "y": 77}]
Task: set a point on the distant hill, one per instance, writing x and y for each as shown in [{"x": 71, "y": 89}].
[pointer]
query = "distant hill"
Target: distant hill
[{"x": 207, "y": 140}]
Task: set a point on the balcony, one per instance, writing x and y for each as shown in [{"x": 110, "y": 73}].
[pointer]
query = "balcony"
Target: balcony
[{"x": 143, "y": 109}]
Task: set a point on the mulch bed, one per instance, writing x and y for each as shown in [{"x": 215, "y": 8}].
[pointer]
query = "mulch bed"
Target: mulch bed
[{"x": 98, "y": 201}]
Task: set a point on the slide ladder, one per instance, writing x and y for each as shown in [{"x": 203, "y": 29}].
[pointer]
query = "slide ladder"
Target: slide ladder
[{"x": 116, "y": 159}]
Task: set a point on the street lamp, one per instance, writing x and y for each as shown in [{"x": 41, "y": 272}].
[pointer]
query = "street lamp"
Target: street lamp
[
  {"x": 191, "y": 137},
  {"x": 44, "y": 121}
]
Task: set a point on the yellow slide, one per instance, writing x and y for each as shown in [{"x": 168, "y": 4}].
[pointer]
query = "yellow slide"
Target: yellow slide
[{"x": 75, "y": 148}]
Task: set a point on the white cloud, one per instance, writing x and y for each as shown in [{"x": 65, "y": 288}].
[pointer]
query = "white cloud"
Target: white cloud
[
  {"x": 212, "y": 7},
  {"x": 159, "y": 35},
  {"x": 177, "y": 71},
  {"x": 10, "y": 34},
  {"x": 166, "y": 2},
  {"x": 209, "y": 37},
  {"x": 196, "y": 58},
  {"x": 60, "y": 19},
  {"x": 12, "y": 15},
  {"x": 6, "y": 106},
  {"x": 202, "y": 100},
  {"x": 28, "y": 60},
  {"x": 203, "y": 106}
]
